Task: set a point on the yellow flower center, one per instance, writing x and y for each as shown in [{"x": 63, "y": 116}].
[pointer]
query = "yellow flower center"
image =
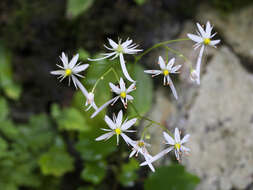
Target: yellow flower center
[
  {"x": 123, "y": 94},
  {"x": 207, "y": 41},
  {"x": 140, "y": 144},
  {"x": 177, "y": 146},
  {"x": 119, "y": 49},
  {"x": 117, "y": 131},
  {"x": 166, "y": 72},
  {"x": 68, "y": 72}
]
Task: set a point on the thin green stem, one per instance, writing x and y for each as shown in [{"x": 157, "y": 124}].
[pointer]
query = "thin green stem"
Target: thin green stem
[{"x": 158, "y": 45}]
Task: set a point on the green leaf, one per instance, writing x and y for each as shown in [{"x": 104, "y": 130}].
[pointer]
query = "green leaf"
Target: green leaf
[
  {"x": 172, "y": 177},
  {"x": 9, "y": 129},
  {"x": 94, "y": 172},
  {"x": 4, "y": 110},
  {"x": 128, "y": 173},
  {"x": 140, "y": 2},
  {"x": 69, "y": 119},
  {"x": 77, "y": 7},
  {"x": 144, "y": 91},
  {"x": 92, "y": 150},
  {"x": 56, "y": 161},
  {"x": 83, "y": 54},
  {"x": 10, "y": 88}
]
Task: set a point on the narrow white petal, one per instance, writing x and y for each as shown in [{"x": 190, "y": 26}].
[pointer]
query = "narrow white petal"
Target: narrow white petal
[
  {"x": 176, "y": 68},
  {"x": 73, "y": 61},
  {"x": 208, "y": 29},
  {"x": 172, "y": 87},
  {"x": 128, "y": 124},
  {"x": 201, "y": 30},
  {"x": 119, "y": 118},
  {"x": 185, "y": 139},
  {"x": 153, "y": 71},
  {"x": 110, "y": 123},
  {"x": 64, "y": 60},
  {"x": 80, "y": 68},
  {"x": 124, "y": 69},
  {"x": 132, "y": 153},
  {"x": 126, "y": 43},
  {"x": 58, "y": 72},
  {"x": 177, "y": 135},
  {"x": 112, "y": 43},
  {"x": 102, "y": 107},
  {"x": 82, "y": 88},
  {"x": 131, "y": 88},
  {"x": 161, "y": 63},
  {"x": 105, "y": 136},
  {"x": 99, "y": 59},
  {"x": 214, "y": 42},
  {"x": 168, "y": 138},
  {"x": 170, "y": 64},
  {"x": 122, "y": 85},
  {"x": 195, "y": 38},
  {"x": 184, "y": 149},
  {"x": 114, "y": 88},
  {"x": 129, "y": 97},
  {"x": 126, "y": 138},
  {"x": 75, "y": 80}
]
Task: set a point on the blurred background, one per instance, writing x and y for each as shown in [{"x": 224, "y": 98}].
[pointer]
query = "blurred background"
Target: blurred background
[{"x": 47, "y": 138}]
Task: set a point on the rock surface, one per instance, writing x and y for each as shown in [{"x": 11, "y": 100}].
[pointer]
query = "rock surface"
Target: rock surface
[{"x": 221, "y": 125}]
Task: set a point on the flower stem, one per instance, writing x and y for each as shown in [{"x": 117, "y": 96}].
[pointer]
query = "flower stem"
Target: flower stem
[{"x": 158, "y": 45}]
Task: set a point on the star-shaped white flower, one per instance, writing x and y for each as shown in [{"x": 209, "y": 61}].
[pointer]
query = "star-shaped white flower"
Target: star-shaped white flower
[
  {"x": 175, "y": 144},
  {"x": 117, "y": 128},
  {"x": 70, "y": 69},
  {"x": 90, "y": 101},
  {"x": 122, "y": 93},
  {"x": 166, "y": 70},
  {"x": 127, "y": 47},
  {"x": 204, "y": 36},
  {"x": 140, "y": 147}
]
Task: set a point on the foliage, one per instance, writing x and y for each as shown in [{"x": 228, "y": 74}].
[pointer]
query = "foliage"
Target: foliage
[
  {"x": 172, "y": 177},
  {"x": 76, "y": 7}
]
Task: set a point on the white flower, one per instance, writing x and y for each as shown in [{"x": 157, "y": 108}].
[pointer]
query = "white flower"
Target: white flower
[
  {"x": 166, "y": 70},
  {"x": 127, "y": 47},
  {"x": 90, "y": 101},
  {"x": 175, "y": 144},
  {"x": 70, "y": 69},
  {"x": 140, "y": 147},
  {"x": 204, "y": 36},
  {"x": 121, "y": 92},
  {"x": 117, "y": 128}
]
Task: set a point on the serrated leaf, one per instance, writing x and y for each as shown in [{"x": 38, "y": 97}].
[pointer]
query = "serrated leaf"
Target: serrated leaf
[
  {"x": 94, "y": 172},
  {"x": 172, "y": 177},
  {"x": 77, "y": 7}
]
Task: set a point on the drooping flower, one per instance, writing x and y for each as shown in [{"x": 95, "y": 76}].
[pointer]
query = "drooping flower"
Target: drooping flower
[
  {"x": 175, "y": 144},
  {"x": 166, "y": 70},
  {"x": 127, "y": 47},
  {"x": 122, "y": 93},
  {"x": 117, "y": 128},
  {"x": 203, "y": 39},
  {"x": 70, "y": 69},
  {"x": 90, "y": 101}
]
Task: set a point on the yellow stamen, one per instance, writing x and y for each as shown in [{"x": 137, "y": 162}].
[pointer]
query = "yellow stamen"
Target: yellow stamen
[
  {"x": 166, "y": 72},
  {"x": 177, "y": 146},
  {"x": 68, "y": 72},
  {"x": 119, "y": 49},
  {"x": 117, "y": 131},
  {"x": 207, "y": 41},
  {"x": 140, "y": 144},
  {"x": 122, "y": 94}
]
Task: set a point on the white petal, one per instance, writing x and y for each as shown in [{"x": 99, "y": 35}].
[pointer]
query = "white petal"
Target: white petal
[
  {"x": 170, "y": 64},
  {"x": 73, "y": 61},
  {"x": 126, "y": 43},
  {"x": 214, "y": 42},
  {"x": 177, "y": 135},
  {"x": 82, "y": 88},
  {"x": 184, "y": 149},
  {"x": 58, "y": 72},
  {"x": 131, "y": 88},
  {"x": 115, "y": 88},
  {"x": 161, "y": 63},
  {"x": 168, "y": 138},
  {"x": 102, "y": 107},
  {"x": 126, "y": 138},
  {"x": 201, "y": 30},
  {"x": 64, "y": 60},
  {"x": 153, "y": 71},
  {"x": 119, "y": 118},
  {"x": 172, "y": 87},
  {"x": 124, "y": 69},
  {"x": 105, "y": 136},
  {"x": 128, "y": 124},
  {"x": 113, "y": 44},
  {"x": 132, "y": 153},
  {"x": 195, "y": 38},
  {"x": 75, "y": 80},
  {"x": 176, "y": 68},
  {"x": 129, "y": 97},
  {"x": 122, "y": 85},
  {"x": 110, "y": 123},
  {"x": 185, "y": 139},
  {"x": 98, "y": 59},
  {"x": 80, "y": 68},
  {"x": 208, "y": 29}
]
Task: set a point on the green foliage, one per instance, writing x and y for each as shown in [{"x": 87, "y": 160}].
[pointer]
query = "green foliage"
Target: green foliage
[
  {"x": 56, "y": 161},
  {"x": 140, "y": 2},
  {"x": 77, "y": 7},
  {"x": 4, "y": 110},
  {"x": 129, "y": 173},
  {"x": 94, "y": 172},
  {"x": 172, "y": 177},
  {"x": 143, "y": 94},
  {"x": 10, "y": 88}
]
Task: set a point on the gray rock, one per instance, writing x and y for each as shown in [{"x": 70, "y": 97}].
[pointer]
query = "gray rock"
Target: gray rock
[{"x": 221, "y": 125}]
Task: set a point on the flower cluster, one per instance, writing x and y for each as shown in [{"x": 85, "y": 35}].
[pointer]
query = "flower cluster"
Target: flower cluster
[{"x": 119, "y": 127}]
